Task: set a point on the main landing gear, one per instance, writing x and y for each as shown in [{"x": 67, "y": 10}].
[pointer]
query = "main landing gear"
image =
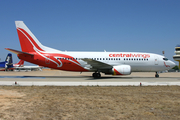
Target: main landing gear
[
  {"x": 96, "y": 75},
  {"x": 156, "y": 75}
]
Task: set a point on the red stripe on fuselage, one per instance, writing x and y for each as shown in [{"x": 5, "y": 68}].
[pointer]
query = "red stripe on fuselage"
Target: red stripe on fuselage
[{"x": 68, "y": 65}]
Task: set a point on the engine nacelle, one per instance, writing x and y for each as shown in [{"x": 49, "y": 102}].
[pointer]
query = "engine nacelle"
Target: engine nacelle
[{"x": 121, "y": 70}]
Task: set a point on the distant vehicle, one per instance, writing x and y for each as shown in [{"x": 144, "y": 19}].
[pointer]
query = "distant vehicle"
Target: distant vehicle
[
  {"x": 19, "y": 67},
  {"x": 7, "y": 65},
  {"x": 114, "y": 63}
]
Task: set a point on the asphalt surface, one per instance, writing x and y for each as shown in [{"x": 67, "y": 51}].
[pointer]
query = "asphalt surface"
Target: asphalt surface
[{"x": 63, "y": 78}]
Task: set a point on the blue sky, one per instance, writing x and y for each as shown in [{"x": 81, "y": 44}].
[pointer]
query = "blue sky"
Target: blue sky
[{"x": 94, "y": 25}]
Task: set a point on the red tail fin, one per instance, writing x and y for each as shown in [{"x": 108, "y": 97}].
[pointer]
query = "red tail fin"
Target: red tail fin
[
  {"x": 19, "y": 64},
  {"x": 29, "y": 43}
]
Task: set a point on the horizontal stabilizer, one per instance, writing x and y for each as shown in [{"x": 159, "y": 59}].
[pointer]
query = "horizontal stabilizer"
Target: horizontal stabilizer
[{"x": 18, "y": 52}]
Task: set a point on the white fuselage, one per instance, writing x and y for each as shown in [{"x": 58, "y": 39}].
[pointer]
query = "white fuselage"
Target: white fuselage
[{"x": 153, "y": 62}]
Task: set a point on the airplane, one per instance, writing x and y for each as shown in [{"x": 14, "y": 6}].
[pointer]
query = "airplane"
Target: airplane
[
  {"x": 23, "y": 67},
  {"x": 19, "y": 64},
  {"x": 7, "y": 64},
  {"x": 110, "y": 63}
]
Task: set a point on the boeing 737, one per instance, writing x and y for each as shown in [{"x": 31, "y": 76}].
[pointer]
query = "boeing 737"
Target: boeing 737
[{"x": 114, "y": 63}]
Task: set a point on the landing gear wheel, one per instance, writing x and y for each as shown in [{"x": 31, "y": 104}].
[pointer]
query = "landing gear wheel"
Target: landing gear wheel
[
  {"x": 156, "y": 75},
  {"x": 96, "y": 75}
]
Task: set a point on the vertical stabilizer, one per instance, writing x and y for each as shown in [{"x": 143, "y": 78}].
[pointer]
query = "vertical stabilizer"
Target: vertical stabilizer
[
  {"x": 19, "y": 64},
  {"x": 9, "y": 61},
  {"x": 28, "y": 42}
]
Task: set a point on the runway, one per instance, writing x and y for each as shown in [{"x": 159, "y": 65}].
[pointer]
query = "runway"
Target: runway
[{"x": 62, "y": 78}]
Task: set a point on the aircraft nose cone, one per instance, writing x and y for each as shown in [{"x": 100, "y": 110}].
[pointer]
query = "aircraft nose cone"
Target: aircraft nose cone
[{"x": 172, "y": 64}]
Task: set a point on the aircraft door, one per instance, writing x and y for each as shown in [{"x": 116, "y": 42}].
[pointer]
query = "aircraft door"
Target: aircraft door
[{"x": 156, "y": 60}]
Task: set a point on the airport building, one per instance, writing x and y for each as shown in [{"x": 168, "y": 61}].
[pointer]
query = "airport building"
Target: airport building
[{"x": 177, "y": 56}]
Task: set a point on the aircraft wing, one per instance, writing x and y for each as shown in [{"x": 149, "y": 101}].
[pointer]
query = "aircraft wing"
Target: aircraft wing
[
  {"x": 18, "y": 52},
  {"x": 97, "y": 64}
]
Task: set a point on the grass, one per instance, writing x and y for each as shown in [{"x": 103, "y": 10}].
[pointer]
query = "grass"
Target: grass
[{"x": 103, "y": 103}]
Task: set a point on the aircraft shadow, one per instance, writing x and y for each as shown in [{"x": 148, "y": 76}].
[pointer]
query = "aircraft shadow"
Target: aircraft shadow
[{"x": 86, "y": 77}]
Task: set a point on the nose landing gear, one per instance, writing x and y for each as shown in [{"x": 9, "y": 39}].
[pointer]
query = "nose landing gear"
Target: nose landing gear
[{"x": 156, "y": 75}]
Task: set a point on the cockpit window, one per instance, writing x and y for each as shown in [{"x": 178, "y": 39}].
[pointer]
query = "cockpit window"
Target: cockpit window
[{"x": 165, "y": 59}]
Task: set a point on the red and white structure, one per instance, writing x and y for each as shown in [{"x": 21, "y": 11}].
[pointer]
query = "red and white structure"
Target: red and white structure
[{"x": 115, "y": 63}]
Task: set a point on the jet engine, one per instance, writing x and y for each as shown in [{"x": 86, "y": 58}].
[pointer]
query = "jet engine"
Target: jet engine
[{"x": 121, "y": 70}]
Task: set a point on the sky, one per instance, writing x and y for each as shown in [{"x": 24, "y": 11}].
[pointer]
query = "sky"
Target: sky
[{"x": 149, "y": 26}]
